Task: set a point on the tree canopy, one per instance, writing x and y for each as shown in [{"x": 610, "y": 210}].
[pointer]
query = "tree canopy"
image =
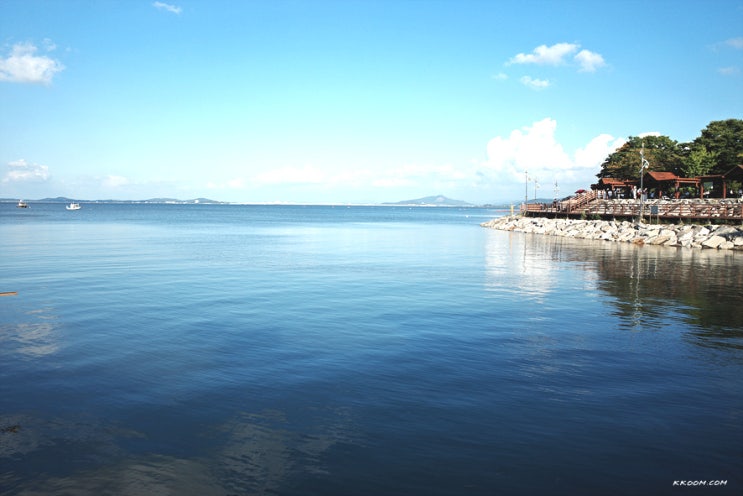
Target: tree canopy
[
  {"x": 725, "y": 140},
  {"x": 661, "y": 152},
  {"x": 718, "y": 149}
]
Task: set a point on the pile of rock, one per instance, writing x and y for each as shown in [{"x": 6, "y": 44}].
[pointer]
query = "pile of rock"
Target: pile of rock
[{"x": 723, "y": 237}]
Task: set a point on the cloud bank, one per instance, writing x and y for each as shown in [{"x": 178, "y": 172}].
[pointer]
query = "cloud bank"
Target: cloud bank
[
  {"x": 536, "y": 150},
  {"x": 500, "y": 175}
]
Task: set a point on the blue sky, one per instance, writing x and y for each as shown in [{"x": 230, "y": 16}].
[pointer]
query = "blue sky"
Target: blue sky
[{"x": 349, "y": 101}]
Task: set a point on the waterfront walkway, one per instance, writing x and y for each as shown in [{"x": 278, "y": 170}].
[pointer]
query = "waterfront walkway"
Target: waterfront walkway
[{"x": 587, "y": 204}]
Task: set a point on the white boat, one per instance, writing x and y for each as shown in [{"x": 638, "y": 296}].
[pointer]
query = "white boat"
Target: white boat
[
  {"x": 22, "y": 204},
  {"x": 73, "y": 206}
]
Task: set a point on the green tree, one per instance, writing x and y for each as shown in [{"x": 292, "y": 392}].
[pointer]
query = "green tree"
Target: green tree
[
  {"x": 661, "y": 152},
  {"x": 725, "y": 139},
  {"x": 698, "y": 161}
]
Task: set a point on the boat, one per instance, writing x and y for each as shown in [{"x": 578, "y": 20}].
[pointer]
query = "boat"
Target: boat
[
  {"x": 73, "y": 206},
  {"x": 22, "y": 204}
]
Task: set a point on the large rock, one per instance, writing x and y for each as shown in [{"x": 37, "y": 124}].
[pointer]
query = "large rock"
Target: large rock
[
  {"x": 713, "y": 241},
  {"x": 694, "y": 236}
]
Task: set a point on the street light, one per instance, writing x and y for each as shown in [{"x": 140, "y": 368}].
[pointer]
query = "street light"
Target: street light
[
  {"x": 526, "y": 188},
  {"x": 643, "y": 165}
]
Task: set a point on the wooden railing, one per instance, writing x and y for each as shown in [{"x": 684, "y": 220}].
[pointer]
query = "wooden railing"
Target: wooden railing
[
  {"x": 587, "y": 204},
  {"x": 573, "y": 204}
]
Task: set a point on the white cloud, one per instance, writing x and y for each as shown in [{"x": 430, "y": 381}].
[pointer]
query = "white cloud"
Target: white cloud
[
  {"x": 23, "y": 65},
  {"x": 500, "y": 76},
  {"x": 167, "y": 7},
  {"x": 596, "y": 151},
  {"x": 736, "y": 43},
  {"x": 589, "y": 61},
  {"x": 435, "y": 175},
  {"x": 22, "y": 171},
  {"x": 728, "y": 71},
  {"x": 535, "y": 149},
  {"x": 234, "y": 183},
  {"x": 49, "y": 45},
  {"x": 559, "y": 54},
  {"x": 307, "y": 174},
  {"x": 544, "y": 55},
  {"x": 529, "y": 148},
  {"x": 114, "y": 181},
  {"x": 535, "y": 84}
]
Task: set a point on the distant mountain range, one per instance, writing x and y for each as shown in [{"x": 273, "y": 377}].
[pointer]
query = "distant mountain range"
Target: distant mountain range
[{"x": 437, "y": 200}]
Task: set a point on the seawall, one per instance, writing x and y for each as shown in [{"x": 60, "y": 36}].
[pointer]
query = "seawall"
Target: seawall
[{"x": 722, "y": 237}]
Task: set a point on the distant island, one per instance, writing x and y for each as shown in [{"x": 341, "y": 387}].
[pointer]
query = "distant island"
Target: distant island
[
  {"x": 426, "y": 201},
  {"x": 436, "y": 200}
]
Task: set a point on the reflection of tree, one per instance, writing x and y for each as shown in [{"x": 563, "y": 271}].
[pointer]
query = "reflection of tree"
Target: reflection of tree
[
  {"x": 649, "y": 286},
  {"x": 648, "y": 283}
]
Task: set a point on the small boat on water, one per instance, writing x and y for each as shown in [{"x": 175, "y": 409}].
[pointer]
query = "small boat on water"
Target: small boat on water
[
  {"x": 22, "y": 204},
  {"x": 73, "y": 206}
]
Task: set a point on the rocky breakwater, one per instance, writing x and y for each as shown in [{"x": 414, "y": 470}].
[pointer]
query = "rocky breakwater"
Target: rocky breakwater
[{"x": 721, "y": 237}]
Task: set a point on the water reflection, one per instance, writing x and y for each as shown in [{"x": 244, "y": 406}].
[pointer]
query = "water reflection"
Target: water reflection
[
  {"x": 514, "y": 262},
  {"x": 253, "y": 453},
  {"x": 31, "y": 334},
  {"x": 648, "y": 286}
]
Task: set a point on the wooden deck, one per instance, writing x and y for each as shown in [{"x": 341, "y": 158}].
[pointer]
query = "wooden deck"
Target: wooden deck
[{"x": 588, "y": 205}]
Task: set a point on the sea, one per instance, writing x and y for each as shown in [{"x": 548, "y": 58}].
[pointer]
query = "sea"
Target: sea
[{"x": 215, "y": 349}]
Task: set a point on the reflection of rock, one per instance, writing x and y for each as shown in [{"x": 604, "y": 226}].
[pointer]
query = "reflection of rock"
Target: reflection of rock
[
  {"x": 150, "y": 475},
  {"x": 36, "y": 340},
  {"x": 33, "y": 338},
  {"x": 262, "y": 454},
  {"x": 92, "y": 462},
  {"x": 25, "y": 439},
  {"x": 265, "y": 451},
  {"x": 35, "y": 434}
]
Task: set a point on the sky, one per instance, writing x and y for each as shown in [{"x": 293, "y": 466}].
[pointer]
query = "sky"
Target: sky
[{"x": 350, "y": 101}]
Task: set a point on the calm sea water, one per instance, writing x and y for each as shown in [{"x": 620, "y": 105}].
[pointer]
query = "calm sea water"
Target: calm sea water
[{"x": 286, "y": 350}]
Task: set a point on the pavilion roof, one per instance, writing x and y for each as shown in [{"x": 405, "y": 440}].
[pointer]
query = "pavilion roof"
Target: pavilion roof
[
  {"x": 662, "y": 176},
  {"x": 612, "y": 181},
  {"x": 735, "y": 173}
]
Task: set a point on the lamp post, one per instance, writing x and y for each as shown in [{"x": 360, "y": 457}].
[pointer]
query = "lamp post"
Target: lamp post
[
  {"x": 526, "y": 188},
  {"x": 643, "y": 165},
  {"x": 536, "y": 185},
  {"x": 557, "y": 193}
]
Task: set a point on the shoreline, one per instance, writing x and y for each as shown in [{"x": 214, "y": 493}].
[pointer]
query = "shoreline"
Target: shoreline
[{"x": 718, "y": 237}]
